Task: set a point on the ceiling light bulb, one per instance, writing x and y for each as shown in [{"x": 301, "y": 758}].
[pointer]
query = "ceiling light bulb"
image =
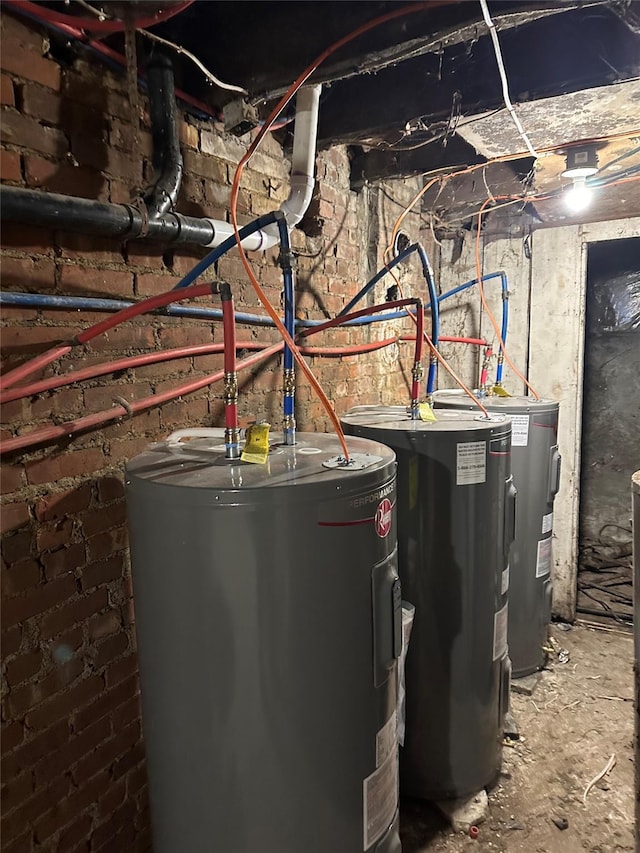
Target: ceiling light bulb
[{"x": 578, "y": 198}]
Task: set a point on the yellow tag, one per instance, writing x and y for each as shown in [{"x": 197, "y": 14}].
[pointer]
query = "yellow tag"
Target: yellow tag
[
  {"x": 256, "y": 448},
  {"x": 499, "y": 391},
  {"x": 426, "y": 413}
]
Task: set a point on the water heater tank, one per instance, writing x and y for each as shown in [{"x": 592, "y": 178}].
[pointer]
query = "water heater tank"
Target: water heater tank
[
  {"x": 269, "y": 621},
  {"x": 456, "y": 508},
  {"x": 535, "y": 463}
]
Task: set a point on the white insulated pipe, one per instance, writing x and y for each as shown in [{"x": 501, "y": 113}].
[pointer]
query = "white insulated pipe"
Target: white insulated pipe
[{"x": 302, "y": 176}]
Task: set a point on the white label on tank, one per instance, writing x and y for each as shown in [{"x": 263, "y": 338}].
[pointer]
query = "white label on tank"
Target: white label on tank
[
  {"x": 519, "y": 430},
  {"x": 500, "y": 633},
  {"x": 380, "y": 799},
  {"x": 505, "y": 581},
  {"x": 543, "y": 560},
  {"x": 386, "y": 738},
  {"x": 547, "y": 523},
  {"x": 471, "y": 463}
]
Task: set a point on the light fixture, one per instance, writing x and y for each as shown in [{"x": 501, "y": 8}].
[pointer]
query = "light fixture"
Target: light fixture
[{"x": 582, "y": 162}]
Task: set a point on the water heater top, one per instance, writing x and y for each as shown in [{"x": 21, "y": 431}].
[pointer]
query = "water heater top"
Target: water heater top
[
  {"x": 200, "y": 464},
  {"x": 397, "y": 419},
  {"x": 509, "y": 405}
]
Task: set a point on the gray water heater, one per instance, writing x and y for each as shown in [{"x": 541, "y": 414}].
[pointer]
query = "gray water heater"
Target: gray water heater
[
  {"x": 535, "y": 463},
  {"x": 268, "y": 615},
  {"x": 456, "y": 515}
]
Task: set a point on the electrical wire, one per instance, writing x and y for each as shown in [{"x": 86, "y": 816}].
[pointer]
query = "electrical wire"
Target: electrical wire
[
  {"x": 503, "y": 78},
  {"x": 210, "y": 76}
]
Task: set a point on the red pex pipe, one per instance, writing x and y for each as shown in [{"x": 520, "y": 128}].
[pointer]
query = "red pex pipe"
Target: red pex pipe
[
  {"x": 229, "y": 331},
  {"x": 375, "y": 309},
  {"x": 134, "y": 361},
  {"x": 29, "y": 367},
  {"x": 94, "y": 24},
  {"x": 99, "y": 418}
]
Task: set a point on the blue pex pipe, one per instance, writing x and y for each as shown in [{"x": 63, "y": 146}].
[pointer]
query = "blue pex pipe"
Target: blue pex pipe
[
  {"x": 505, "y": 306},
  {"x": 91, "y": 303},
  {"x": 427, "y": 271},
  {"x": 379, "y": 275},
  {"x": 228, "y": 244}
]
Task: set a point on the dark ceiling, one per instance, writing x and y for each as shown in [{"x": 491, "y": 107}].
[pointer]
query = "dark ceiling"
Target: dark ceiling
[{"x": 400, "y": 94}]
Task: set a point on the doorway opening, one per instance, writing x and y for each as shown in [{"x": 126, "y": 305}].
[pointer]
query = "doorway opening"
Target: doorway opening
[{"x": 610, "y": 429}]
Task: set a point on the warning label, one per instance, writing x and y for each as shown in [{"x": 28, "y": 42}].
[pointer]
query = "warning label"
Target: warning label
[
  {"x": 386, "y": 738},
  {"x": 519, "y": 430},
  {"x": 380, "y": 799},
  {"x": 500, "y": 633},
  {"x": 471, "y": 463},
  {"x": 543, "y": 560},
  {"x": 547, "y": 523},
  {"x": 505, "y": 581}
]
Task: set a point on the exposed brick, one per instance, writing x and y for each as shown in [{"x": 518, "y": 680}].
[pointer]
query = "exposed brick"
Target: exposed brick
[
  {"x": 113, "y": 798},
  {"x": 124, "y": 338},
  {"x": 30, "y": 66},
  {"x": 16, "y": 790},
  {"x": 104, "y": 624},
  {"x": 68, "y": 464},
  {"x": 12, "y": 735},
  {"x": 22, "y": 699},
  {"x": 110, "y": 489},
  {"x": 63, "y": 560},
  {"x": 78, "y": 746},
  {"x": 107, "y": 753},
  {"x": 67, "y": 808},
  {"x": 87, "y": 280},
  {"x": 64, "y": 178},
  {"x": 69, "y": 615},
  {"x": 32, "y": 750},
  {"x": 110, "y": 649},
  {"x": 7, "y": 95},
  {"x": 35, "y": 274},
  {"x": 102, "y": 572},
  {"x": 11, "y": 478},
  {"x": 122, "y": 817},
  {"x": 109, "y": 700},
  {"x": 128, "y": 761},
  {"x": 151, "y": 284},
  {"x": 61, "y": 706},
  {"x": 26, "y": 132},
  {"x": 41, "y": 103},
  {"x": 62, "y": 504},
  {"x": 10, "y": 640},
  {"x": 24, "y": 667},
  {"x": 10, "y": 169},
  {"x": 71, "y": 837},
  {"x": 13, "y": 516},
  {"x": 54, "y": 536},
  {"x": 105, "y": 544},
  {"x": 102, "y": 397},
  {"x": 20, "y": 576},
  {"x": 38, "y": 600},
  {"x": 31, "y": 809},
  {"x": 122, "y": 669}
]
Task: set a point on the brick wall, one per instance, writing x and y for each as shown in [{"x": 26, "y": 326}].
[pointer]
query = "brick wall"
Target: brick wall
[{"x": 73, "y": 768}]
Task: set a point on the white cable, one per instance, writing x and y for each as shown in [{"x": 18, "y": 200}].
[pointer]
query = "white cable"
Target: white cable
[{"x": 503, "y": 77}]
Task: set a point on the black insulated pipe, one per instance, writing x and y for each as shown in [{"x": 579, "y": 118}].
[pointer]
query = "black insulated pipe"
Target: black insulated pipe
[
  {"x": 167, "y": 159},
  {"x": 68, "y": 213}
]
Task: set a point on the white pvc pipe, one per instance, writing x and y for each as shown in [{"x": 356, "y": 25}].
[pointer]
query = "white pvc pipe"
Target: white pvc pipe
[{"x": 302, "y": 176}]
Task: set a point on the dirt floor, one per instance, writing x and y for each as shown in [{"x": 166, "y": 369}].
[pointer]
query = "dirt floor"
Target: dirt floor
[{"x": 580, "y": 714}]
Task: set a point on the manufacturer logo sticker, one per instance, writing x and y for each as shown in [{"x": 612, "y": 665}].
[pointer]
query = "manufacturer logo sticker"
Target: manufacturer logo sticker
[{"x": 382, "y": 519}]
